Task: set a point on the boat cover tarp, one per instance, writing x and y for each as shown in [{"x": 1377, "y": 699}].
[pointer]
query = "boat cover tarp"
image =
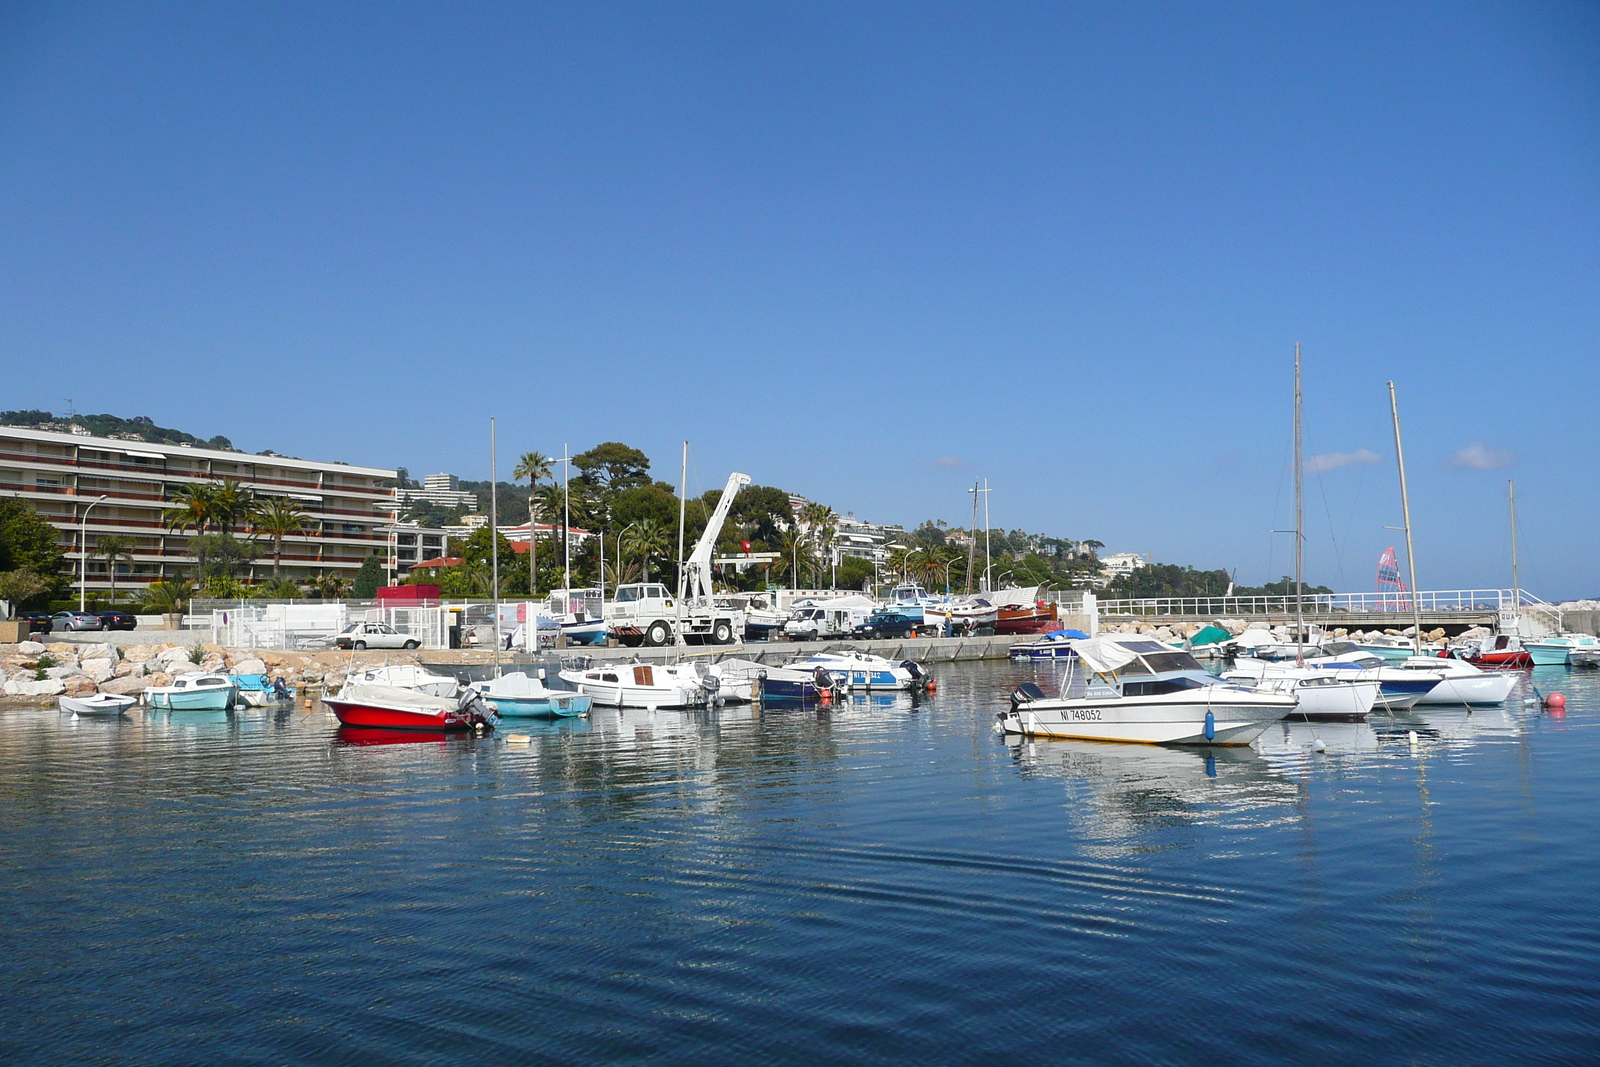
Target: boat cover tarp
[
  {"x": 1211, "y": 635},
  {"x": 1103, "y": 655},
  {"x": 1075, "y": 634},
  {"x": 392, "y": 696}
]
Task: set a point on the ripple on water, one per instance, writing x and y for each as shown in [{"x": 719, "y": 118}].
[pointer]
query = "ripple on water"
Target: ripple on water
[{"x": 883, "y": 881}]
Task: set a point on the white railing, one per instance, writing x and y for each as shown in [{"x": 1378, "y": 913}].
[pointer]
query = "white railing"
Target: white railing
[
  {"x": 1399, "y": 604},
  {"x": 309, "y": 625}
]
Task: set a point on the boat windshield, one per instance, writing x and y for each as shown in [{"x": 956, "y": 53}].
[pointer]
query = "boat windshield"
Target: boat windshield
[{"x": 1339, "y": 648}]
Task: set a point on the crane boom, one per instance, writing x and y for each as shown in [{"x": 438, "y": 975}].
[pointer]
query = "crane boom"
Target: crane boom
[{"x": 698, "y": 568}]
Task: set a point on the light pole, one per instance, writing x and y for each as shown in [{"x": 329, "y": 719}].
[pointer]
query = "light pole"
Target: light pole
[
  {"x": 83, "y": 555},
  {"x": 947, "y": 565},
  {"x": 618, "y": 582}
]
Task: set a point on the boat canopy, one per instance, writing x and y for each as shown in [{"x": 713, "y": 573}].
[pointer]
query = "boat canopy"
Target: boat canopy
[
  {"x": 1103, "y": 655},
  {"x": 1211, "y": 635}
]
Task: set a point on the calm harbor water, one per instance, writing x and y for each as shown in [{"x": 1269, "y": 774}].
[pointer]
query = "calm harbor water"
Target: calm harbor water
[{"x": 880, "y": 882}]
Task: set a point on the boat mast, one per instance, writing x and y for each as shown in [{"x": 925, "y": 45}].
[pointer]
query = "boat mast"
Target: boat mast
[
  {"x": 1299, "y": 523},
  {"x": 989, "y": 584},
  {"x": 683, "y": 499},
  {"x": 1516, "y": 581},
  {"x": 1405, "y": 508},
  {"x": 494, "y": 547},
  {"x": 972, "y": 544},
  {"x": 566, "y": 515}
]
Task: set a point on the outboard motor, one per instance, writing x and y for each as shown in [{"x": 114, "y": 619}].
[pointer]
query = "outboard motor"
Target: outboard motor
[
  {"x": 712, "y": 686},
  {"x": 913, "y": 669},
  {"x": 1026, "y": 693},
  {"x": 823, "y": 680}
]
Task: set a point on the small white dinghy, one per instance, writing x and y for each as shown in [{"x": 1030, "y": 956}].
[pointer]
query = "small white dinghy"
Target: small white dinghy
[{"x": 103, "y": 704}]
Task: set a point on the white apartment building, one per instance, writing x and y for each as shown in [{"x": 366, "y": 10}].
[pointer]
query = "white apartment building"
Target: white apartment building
[
  {"x": 442, "y": 489},
  {"x": 93, "y": 486},
  {"x": 1120, "y": 563}
]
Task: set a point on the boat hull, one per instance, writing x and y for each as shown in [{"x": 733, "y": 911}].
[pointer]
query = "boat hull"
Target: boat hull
[
  {"x": 1508, "y": 660},
  {"x": 552, "y": 706},
  {"x": 192, "y": 700},
  {"x": 1041, "y": 650},
  {"x": 1477, "y": 689},
  {"x": 375, "y": 716},
  {"x": 1234, "y": 719},
  {"x": 1551, "y": 655},
  {"x": 102, "y": 704}
]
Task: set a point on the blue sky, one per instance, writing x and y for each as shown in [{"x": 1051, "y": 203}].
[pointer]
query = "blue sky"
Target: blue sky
[{"x": 867, "y": 253}]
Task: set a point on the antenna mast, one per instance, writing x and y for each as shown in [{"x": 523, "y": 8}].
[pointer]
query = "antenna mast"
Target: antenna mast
[
  {"x": 1299, "y": 523},
  {"x": 1405, "y": 507}
]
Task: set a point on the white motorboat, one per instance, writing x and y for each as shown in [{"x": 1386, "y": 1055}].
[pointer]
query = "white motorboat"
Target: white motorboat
[
  {"x": 1319, "y": 695},
  {"x": 860, "y": 670},
  {"x": 581, "y": 615},
  {"x": 1555, "y": 651},
  {"x": 194, "y": 691},
  {"x": 407, "y": 676},
  {"x": 962, "y": 613},
  {"x": 1143, "y": 691},
  {"x": 101, "y": 704},
  {"x": 1055, "y": 645},
  {"x": 643, "y": 685},
  {"x": 1459, "y": 681},
  {"x": 761, "y": 618},
  {"x": 1397, "y": 689},
  {"x": 739, "y": 680}
]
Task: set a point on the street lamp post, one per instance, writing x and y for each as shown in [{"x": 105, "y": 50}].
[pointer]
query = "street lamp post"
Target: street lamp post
[
  {"x": 618, "y": 582},
  {"x": 947, "y": 565},
  {"x": 83, "y": 555}
]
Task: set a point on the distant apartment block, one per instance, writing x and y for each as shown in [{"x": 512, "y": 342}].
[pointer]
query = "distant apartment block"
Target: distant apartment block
[
  {"x": 64, "y": 475},
  {"x": 1120, "y": 563},
  {"x": 441, "y": 489}
]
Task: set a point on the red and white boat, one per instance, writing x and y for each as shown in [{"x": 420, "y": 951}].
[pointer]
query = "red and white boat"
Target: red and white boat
[
  {"x": 1503, "y": 652},
  {"x": 393, "y": 708}
]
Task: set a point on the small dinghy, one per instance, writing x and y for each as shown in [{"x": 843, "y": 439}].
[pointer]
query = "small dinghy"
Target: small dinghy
[
  {"x": 391, "y": 707},
  {"x": 102, "y": 704},
  {"x": 518, "y": 695}
]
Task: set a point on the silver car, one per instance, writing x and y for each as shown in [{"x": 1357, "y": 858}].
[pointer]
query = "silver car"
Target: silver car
[{"x": 74, "y": 620}]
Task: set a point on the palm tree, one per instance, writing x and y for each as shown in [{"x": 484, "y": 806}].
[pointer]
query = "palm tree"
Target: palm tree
[
  {"x": 550, "y": 502},
  {"x": 279, "y": 517},
  {"x": 820, "y": 522},
  {"x": 233, "y": 505},
  {"x": 649, "y": 538},
  {"x": 534, "y": 466},
  {"x": 797, "y": 554},
  {"x": 114, "y": 548},
  {"x": 193, "y": 507}
]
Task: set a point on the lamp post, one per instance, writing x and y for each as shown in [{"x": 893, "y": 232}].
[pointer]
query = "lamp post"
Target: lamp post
[
  {"x": 947, "y": 565},
  {"x": 83, "y": 555},
  {"x": 618, "y": 582}
]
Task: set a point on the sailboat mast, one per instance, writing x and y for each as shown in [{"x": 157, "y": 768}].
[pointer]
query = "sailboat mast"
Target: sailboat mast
[
  {"x": 683, "y": 498},
  {"x": 494, "y": 547},
  {"x": 566, "y": 515},
  {"x": 1299, "y": 521},
  {"x": 972, "y": 545},
  {"x": 1516, "y": 581},
  {"x": 1405, "y": 508},
  {"x": 988, "y": 582}
]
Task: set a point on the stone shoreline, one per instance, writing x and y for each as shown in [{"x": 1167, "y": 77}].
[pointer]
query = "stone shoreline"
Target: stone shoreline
[{"x": 38, "y": 672}]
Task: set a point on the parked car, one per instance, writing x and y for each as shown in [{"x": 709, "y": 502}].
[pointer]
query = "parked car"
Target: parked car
[
  {"x": 374, "y": 635},
  {"x": 74, "y": 620},
  {"x": 887, "y": 623},
  {"x": 117, "y": 620},
  {"x": 38, "y": 621}
]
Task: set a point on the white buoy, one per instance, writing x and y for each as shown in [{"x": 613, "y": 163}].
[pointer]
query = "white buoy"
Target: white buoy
[
  {"x": 1319, "y": 746},
  {"x": 1412, "y": 735}
]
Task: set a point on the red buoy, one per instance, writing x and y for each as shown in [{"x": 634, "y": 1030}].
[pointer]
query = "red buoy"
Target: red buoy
[
  {"x": 933, "y": 687},
  {"x": 1556, "y": 703}
]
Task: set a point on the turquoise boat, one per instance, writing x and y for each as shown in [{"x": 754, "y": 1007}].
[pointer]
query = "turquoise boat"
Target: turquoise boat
[
  {"x": 195, "y": 691},
  {"x": 516, "y": 695},
  {"x": 1553, "y": 651}
]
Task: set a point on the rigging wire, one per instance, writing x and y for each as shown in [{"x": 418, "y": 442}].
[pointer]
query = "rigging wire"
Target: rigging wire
[{"x": 1338, "y": 557}]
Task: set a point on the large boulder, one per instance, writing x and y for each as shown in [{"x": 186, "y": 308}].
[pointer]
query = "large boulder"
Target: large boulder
[
  {"x": 65, "y": 670},
  {"x": 158, "y": 678},
  {"x": 249, "y": 665},
  {"x": 100, "y": 669},
  {"x": 30, "y": 648},
  {"x": 176, "y": 659},
  {"x": 128, "y": 685},
  {"x": 48, "y": 688},
  {"x": 79, "y": 685},
  {"x": 101, "y": 651},
  {"x": 130, "y": 668}
]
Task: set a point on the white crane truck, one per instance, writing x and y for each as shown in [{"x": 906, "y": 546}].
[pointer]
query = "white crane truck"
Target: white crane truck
[{"x": 646, "y": 613}]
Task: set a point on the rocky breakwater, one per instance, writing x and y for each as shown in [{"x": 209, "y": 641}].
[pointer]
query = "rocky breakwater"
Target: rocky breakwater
[{"x": 38, "y": 671}]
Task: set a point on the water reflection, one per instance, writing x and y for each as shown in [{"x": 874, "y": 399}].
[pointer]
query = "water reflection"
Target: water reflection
[{"x": 1124, "y": 791}]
